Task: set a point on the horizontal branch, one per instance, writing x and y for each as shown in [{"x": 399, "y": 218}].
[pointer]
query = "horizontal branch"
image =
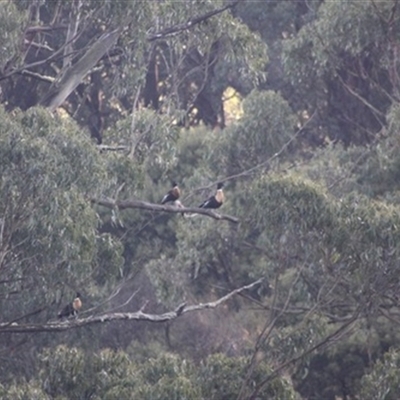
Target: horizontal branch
[
  {"x": 124, "y": 204},
  {"x": 48, "y": 79},
  {"x": 108, "y": 317},
  {"x": 104, "y": 147}
]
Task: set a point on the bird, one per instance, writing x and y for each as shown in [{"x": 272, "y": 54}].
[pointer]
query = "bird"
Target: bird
[
  {"x": 172, "y": 195},
  {"x": 215, "y": 201},
  {"x": 71, "y": 308}
]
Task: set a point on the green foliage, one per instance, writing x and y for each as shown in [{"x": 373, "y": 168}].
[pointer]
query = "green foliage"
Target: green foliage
[
  {"x": 267, "y": 125},
  {"x": 222, "y": 378},
  {"x": 11, "y": 25},
  {"x": 151, "y": 138},
  {"x": 342, "y": 59},
  {"x": 206, "y": 58},
  {"x": 338, "y": 28},
  {"x": 70, "y": 373},
  {"x": 217, "y": 377},
  {"x": 24, "y": 391},
  {"x": 49, "y": 227},
  {"x": 382, "y": 382},
  {"x": 205, "y": 255},
  {"x": 292, "y": 340},
  {"x": 168, "y": 377},
  {"x": 285, "y": 201},
  {"x": 244, "y": 60},
  {"x": 163, "y": 271},
  {"x": 109, "y": 260},
  {"x": 201, "y": 158},
  {"x": 286, "y": 218},
  {"x": 322, "y": 231}
]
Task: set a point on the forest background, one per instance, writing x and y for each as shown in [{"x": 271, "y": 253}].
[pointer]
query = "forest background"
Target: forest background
[{"x": 290, "y": 290}]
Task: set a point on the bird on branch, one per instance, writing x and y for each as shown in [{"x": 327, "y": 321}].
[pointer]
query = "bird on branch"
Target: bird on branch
[
  {"x": 71, "y": 309},
  {"x": 215, "y": 201},
  {"x": 173, "y": 195}
]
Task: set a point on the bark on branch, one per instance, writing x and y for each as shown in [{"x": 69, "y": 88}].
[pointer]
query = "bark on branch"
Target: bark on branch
[
  {"x": 124, "y": 204},
  {"x": 108, "y": 317}
]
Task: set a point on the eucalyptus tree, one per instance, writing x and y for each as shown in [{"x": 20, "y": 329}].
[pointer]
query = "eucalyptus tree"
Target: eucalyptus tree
[
  {"x": 323, "y": 233},
  {"x": 70, "y": 373},
  {"x": 50, "y": 244},
  {"x": 343, "y": 63},
  {"x": 99, "y": 59}
]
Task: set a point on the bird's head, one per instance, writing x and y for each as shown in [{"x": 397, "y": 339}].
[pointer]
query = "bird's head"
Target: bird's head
[
  {"x": 220, "y": 185},
  {"x": 174, "y": 184},
  {"x": 78, "y": 295}
]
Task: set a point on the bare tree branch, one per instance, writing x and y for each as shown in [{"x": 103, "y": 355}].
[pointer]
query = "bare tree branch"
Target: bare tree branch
[
  {"x": 362, "y": 99},
  {"x": 74, "y": 75},
  {"x": 108, "y": 317},
  {"x": 189, "y": 24},
  {"x": 48, "y": 79},
  {"x": 104, "y": 147},
  {"x": 124, "y": 204}
]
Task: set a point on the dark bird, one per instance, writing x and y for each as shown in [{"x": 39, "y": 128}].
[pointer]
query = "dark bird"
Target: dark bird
[
  {"x": 215, "y": 201},
  {"x": 172, "y": 195},
  {"x": 71, "y": 308}
]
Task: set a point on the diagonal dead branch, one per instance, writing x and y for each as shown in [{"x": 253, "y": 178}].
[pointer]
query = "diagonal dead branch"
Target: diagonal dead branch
[
  {"x": 109, "y": 317},
  {"x": 124, "y": 204},
  {"x": 325, "y": 342},
  {"x": 74, "y": 75},
  {"x": 189, "y": 24},
  {"x": 268, "y": 329}
]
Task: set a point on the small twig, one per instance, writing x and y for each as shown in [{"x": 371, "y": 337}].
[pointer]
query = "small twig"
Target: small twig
[
  {"x": 144, "y": 306},
  {"x": 126, "y": 302},
  {"x": 118, "y": 191},
  {"x": 116, "y": 292}
]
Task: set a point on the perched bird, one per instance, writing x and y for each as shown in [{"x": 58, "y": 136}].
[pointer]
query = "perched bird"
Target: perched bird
[
  {"x": 172, "y": 195},
  {"x": 215, "y": 201},
  {"x": 71, "y": 308}
]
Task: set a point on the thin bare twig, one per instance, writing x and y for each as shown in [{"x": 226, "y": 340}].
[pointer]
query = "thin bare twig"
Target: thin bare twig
[{"x": 249, "y": 171}]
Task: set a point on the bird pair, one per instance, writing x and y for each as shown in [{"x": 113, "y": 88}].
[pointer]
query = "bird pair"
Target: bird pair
[{"x": 215, "y": 201}]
